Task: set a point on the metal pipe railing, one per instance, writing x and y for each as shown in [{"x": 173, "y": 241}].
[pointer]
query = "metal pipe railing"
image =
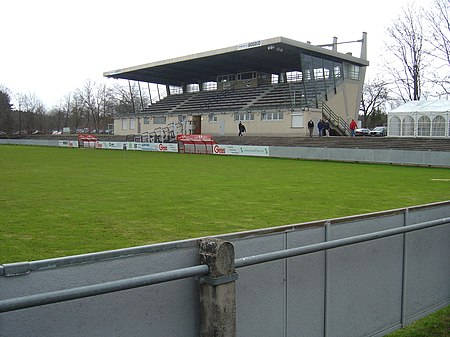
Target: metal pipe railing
[
  {"x": 99, "y": 289},
  {"x": 199, "y": 270},
  {"x": 282, "y": 254}
]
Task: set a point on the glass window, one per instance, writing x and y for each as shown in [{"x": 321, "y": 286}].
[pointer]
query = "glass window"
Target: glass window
[
  {"x": 243, "y": 116},
  {"x": 294, "y": 76},
  {"x": 212, "y": 118},
  {"x": 270, "y": 116},
  {"x": 146, "y": 120},
  {"x": 159, "y": 120},
  {"x": 208, "y": 86},
  {"x": 192, "y": 88},
  {"x": 351, "y": 71},
  {"x": 337, "y": 70},
  {"x": 424, "y": 126},
  {"x": 408, "y": 126},
  {"x": 318, "y": 68},
  {"x": 246, "y": 76},
  {"x": 394, "y": 126},
  {"x": 124, "y": 124},
  {"x": 438, "y": 126},
  {"x": 132, "y": 123}
]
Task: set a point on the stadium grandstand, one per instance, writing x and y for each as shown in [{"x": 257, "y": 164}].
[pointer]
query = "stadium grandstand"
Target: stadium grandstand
[{"x": 273, "y": 86}]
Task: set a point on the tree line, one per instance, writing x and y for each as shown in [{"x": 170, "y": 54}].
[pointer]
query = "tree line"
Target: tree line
[
  {"x": 415, "y": 65},
  {"x": 416, "y": 61},
  {"x": 89, "y": 108}
]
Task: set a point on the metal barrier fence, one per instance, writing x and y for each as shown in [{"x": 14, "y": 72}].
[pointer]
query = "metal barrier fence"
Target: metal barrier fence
[{"x": 12, "y": 304}]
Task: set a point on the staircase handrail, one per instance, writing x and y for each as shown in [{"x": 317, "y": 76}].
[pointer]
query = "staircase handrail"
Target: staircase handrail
[{"x": 336, "y": 120}]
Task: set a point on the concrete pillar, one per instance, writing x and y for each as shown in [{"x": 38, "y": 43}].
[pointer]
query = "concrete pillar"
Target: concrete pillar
[
  {"x": 218, "y": 289},
  {"x": 335, "y": 39}
]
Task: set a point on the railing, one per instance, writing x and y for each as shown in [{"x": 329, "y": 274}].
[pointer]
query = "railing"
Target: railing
[
  {"x": 160, "y": 134},
  {"x": 200, "y": 270},
  {"x": 334, "y": 119}
]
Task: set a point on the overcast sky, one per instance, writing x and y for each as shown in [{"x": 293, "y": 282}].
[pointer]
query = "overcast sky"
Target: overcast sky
[{"x": 51, "y": 47}]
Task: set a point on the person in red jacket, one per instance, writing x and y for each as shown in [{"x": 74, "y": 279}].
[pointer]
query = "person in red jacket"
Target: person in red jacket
[{"x": 353, "y": 127}]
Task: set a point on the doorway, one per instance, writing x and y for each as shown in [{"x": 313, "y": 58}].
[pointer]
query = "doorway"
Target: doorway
[{"x": 197, "y": 125}]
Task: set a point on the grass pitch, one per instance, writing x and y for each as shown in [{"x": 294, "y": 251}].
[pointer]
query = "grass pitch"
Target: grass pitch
[{"x": 59, "y": 201}]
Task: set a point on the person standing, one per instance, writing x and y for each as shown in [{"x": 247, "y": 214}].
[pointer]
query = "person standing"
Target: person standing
[
  {"x": 326, "y": 128},
  {"x": 311, "y": 127},
  {"x": 353, "y": 127},
  {"x": 241, "y": 128},
  {"x": 320, "y": 127}
]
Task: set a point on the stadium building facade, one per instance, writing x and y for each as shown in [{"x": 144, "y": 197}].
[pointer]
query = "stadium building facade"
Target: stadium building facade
[{"x": 273, "y": 86}]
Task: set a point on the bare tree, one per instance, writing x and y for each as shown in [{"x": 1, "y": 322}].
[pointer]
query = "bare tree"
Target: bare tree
[
  {"x": 31, "y": 111},
  {"x": 438, "y": 20},
  {"x": 97, "y": 102},
  {"x": 405, "y": 40},
  {"x": 374, "y": 96}
]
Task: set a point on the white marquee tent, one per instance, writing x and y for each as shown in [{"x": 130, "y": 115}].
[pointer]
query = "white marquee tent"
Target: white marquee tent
[{"x": 420, "y": 119}]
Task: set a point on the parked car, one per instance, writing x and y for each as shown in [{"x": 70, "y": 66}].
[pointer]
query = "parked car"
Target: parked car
[
  {"x": 362, "y": 132},
  {"x": 379, "y": 131}
]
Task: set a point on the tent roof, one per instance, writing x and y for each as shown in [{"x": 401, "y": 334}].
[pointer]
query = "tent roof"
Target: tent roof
[
  {"x": 271, "y": 56},
  {"x": 423, "y": 106}
]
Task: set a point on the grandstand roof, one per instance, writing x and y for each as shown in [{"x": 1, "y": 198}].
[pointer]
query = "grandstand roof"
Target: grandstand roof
[{"x": 273, "y": 55}]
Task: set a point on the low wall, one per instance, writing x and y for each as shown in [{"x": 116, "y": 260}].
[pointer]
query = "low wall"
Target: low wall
[
  {"x": 369, "y": 288},
  {"x": 388, "y": 156}
]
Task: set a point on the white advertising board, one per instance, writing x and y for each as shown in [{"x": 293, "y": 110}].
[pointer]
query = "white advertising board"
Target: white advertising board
[
  {"x": 161, "y": 147},
  {"x": 241, "y": 150},
  {"x": 68, "y": 143},
  {"x": 110, "y": 145}
]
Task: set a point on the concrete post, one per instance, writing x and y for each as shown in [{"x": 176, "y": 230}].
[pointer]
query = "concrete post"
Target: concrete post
[{"x": 217, "y": 289}]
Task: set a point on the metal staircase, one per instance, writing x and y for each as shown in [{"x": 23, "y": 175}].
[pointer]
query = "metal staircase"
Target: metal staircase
[
  {"x": 165, "y": 134},
  {"x": 340, "y": 125}
]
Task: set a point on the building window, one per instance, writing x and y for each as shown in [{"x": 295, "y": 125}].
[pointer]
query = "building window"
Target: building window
[
  {"x": 250, "y": 116},
  {"x": 159, "y": 120},
  {"x": 146, "y": 120},
  {"x": 394, "y": 126},
  {"x": 246, "y": 76},
  {"x": 208, "y": 86},
  {"x": 297, "y": 120},
  {"x": 132, "y": 123},
  {"x": 351, "y": 71},
  {"x": 408, "y": 126},
  {"x": 424, "y": 126},
  {"x": 271, "y": 116},
  {"x": 438, "y": 126},
  {"x": 212, "y": 118},
  {"x": 294, "y": 76},
  {"x": 124, "y": 124}
]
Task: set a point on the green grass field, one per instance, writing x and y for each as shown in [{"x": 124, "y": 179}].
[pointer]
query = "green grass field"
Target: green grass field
[{"x": 59, "y": 201}]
